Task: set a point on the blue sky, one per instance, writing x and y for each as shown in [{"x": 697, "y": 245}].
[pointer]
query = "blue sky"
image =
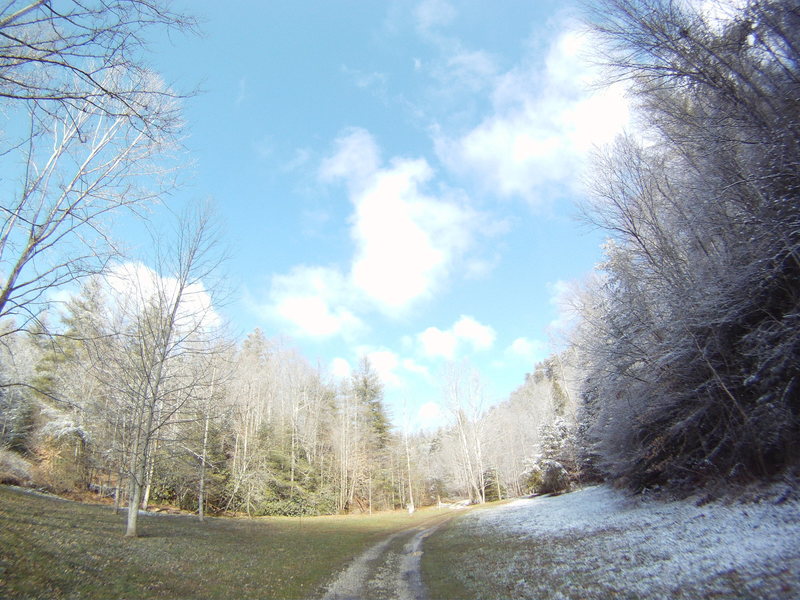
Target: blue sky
[{"x": 397, "y": 179}]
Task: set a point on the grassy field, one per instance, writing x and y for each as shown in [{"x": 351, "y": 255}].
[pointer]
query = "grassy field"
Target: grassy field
[
  {"x": 52, "y": 548},
  {"x": 449, "y": 565}
]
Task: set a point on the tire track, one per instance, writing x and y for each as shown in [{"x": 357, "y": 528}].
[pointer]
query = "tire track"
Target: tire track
[{"x": 389, "y": 569}]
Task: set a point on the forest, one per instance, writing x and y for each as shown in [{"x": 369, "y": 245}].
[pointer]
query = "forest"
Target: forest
[
  {"x": 683, "y": 369},
  {"x": 255, "y": 429}
]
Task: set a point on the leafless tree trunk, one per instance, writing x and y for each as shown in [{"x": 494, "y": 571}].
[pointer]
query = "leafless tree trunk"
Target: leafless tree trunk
[
  {"x": 201, "y": 496},
  {"x": 169, "y": 320},
  {"x": 408, "y": 472},
  {"x": 465, "y": 402}
]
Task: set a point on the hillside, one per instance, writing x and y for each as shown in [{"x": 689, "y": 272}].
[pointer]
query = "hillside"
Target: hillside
[{"x": 601, "y": 543}]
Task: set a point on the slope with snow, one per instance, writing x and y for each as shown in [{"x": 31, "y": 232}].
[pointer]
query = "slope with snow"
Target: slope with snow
[{"x": 598, "y": 542}]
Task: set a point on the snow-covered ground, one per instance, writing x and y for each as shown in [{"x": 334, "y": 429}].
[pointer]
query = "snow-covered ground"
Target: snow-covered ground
[{"x": 598, "y": 542}]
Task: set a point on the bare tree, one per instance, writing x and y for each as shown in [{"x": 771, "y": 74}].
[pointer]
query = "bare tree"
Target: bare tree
[
  {"x": 465, "y": 401},
  {"x": 57, "y": 55},
  {"x": 168, "y": 331},
  {"x": 411, "y": 506},
  {"x": 87, "y": 121}
]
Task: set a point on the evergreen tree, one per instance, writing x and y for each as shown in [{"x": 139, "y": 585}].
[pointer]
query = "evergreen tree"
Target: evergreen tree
[{"x": 368, "y": 390}]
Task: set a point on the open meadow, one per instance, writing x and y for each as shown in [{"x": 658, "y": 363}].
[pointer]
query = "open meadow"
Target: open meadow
[
  {"x": 597, "y": 542},
  {"x": 52, "y": 548}
]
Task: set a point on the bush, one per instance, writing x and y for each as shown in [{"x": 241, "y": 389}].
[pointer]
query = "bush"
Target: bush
[
  {"x": 546, "y": 477},
  {"x": 14, "y": 470},
  {"x": 62, "y": 458},
  {"x": 301, "y": 504},
  {"x": 532, "y": 479},
  {"x": 493, "y": 488},
  {"x": 555, "y": 479}
]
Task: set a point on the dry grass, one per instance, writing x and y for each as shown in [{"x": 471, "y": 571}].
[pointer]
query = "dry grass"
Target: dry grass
[{"x": 51, "y": 548}]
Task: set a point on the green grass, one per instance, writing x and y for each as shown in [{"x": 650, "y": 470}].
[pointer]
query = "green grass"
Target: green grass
[
  {"x": 52, "y": 548},
  {"x": 457, "y": 563},
  {"x": 441, "y": 566}
]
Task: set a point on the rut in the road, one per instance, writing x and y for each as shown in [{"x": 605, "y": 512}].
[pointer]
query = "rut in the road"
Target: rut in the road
[{"x": 390, "y": 569}]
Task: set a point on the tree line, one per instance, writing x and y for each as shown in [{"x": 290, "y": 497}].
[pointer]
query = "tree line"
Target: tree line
[{"x": 146, "y": 403}]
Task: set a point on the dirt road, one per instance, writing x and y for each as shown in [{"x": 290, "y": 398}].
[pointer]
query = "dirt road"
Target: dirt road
[{"x": 390, "y": 569}]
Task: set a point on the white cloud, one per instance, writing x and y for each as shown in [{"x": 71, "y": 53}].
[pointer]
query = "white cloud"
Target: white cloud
[
  {"x": 481, "y": 337},
  {"x": 479, "y": 268},
  {"x": 438, "y": 343},
  {"x": 61, "y": 295},
  {"x": 130, "y": 287},
  {"x": 395, "y": 372},
  {"x": 474, "y": 63},
  {"x": 412, "y": 366},
  {"x": 373, "y": 81},
  {"x": 531, "y": 351},
  {"x": 406, "y": 240},
  {"x": 340, "y": 368},
  {"x": 543, "y": 123},
  {"x": 299, "y": 160},
  {"x": 433, "y": 13},
  {"x": 718, "y": 13},
  {"x": 466, "y": 333},
  {"x": 129, "y": 284},
  {"x": 355, "y": 159},
  {"x": 465, "y": 70},
  {"x": 385, "y": 363},
  {"x": 313, "y": 301},
  {"x": 431, "y": 415}
]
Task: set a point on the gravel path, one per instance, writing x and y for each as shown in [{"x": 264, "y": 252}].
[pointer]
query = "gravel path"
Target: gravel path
[{"x": 390, "y": 569}]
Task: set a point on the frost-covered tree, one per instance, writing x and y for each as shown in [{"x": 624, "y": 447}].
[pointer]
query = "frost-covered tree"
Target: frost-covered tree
[{"x": 691, "y": 334}]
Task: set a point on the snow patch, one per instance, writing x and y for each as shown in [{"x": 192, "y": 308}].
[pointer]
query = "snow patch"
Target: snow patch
[{"x": 610, "y": 541}]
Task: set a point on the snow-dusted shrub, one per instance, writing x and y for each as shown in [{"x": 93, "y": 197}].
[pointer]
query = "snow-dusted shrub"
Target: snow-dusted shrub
[
  {"x": 555, "y": 478},
  {"x": 558, "y": 442},
  {"x": 532, "y": 478},
  {"x": 14, "y": 469},
  {"x": 545, "y": 476}
]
